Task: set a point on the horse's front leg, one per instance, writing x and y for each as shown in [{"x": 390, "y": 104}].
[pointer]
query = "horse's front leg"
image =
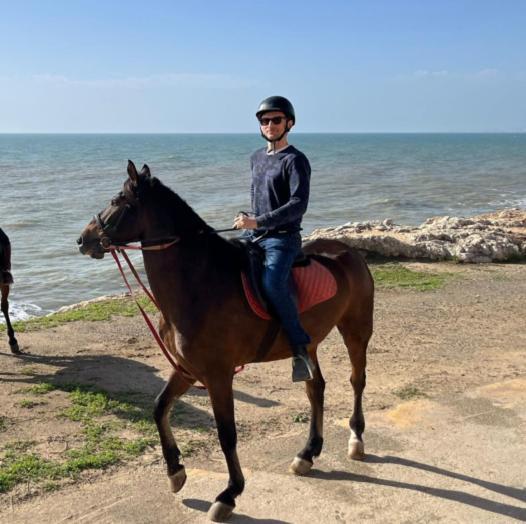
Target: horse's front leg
[
  {"x": 315, "y": 388},
  {"x": 177, "y": 385},
  {"x": 13, "y": 344},
  {"x": 222, "y": 399}
]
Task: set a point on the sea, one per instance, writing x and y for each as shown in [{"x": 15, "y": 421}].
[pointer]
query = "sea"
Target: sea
[{"x": 51, "y": 186}]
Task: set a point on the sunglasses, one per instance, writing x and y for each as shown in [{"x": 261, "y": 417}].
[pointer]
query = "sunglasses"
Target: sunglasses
[{"x": 276, "y": 120}]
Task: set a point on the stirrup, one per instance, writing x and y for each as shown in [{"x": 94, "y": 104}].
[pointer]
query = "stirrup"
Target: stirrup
[{"x": 302, "y": 368}]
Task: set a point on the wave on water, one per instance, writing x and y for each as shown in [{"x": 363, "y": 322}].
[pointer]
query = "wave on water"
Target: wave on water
[
  {"x": 507, "y": 202},
  {"x": 23, "y": 311}
]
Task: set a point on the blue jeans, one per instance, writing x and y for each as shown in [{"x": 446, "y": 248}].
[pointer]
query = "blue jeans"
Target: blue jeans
[{"x": 280, "y": 253}]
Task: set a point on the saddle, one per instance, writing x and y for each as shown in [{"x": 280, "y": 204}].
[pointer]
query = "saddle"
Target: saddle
[{"x": 311, "y": 282}]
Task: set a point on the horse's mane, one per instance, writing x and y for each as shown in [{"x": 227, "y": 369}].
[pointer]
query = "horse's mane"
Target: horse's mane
[
  {"x": 175, "y": 207},
  {"x": 191, "y": 226}
]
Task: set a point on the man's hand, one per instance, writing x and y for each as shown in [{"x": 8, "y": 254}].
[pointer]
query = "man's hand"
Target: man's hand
[{"x": 245, "y": 222}]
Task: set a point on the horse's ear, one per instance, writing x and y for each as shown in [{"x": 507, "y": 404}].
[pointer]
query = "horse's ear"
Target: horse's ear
[
  {"x": 145, "y": 171},
  {"x": 132, "y": 172}
]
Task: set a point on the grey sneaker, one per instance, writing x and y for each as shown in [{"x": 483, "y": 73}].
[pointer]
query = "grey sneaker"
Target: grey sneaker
[{"x": 302, "y": 368}]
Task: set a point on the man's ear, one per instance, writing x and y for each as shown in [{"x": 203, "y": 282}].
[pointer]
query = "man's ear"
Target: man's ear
[{"x": 290, "y": 124}]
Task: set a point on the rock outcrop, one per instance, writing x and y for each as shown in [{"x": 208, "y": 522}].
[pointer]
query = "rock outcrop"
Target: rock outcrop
[{"x": 492, "y": 237}]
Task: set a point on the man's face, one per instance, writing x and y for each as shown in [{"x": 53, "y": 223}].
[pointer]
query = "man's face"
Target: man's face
[{"x": 273, "y": 124}]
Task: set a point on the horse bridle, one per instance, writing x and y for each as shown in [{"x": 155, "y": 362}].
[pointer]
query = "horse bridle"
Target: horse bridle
[{"x": 105, "y": 228}]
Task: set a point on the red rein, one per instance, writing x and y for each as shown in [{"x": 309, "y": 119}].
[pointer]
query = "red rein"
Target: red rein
[
  {"x": 122, "y": 249},
  {"x": 149, "y": 323}
]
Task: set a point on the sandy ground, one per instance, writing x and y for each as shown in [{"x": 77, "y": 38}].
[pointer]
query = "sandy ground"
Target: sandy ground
[{"x": 445, "y": 409}]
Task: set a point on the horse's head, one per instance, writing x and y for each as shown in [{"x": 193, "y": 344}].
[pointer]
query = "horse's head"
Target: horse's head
[{"x": 122, "y": 221}]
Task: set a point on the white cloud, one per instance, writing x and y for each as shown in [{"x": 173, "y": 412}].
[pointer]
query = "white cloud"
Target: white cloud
[
  {"x": 487, "y": 73},
  {"x": 425, "y": 73},
  {"x": 192, "y": 80}
]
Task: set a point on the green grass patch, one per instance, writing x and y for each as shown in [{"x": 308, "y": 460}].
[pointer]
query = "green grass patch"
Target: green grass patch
[
  {"x": 95, "y": 311},
  {"x": 90, "y": 458},
  {"x": 389, "y": 276},
  {"x": 39, "y": 389},
  {"x": 16, "y": 468},
  {"x": 88, "y": 402},
  {"x": 301, "y": 418},
  {"x": 102, "y": 446},
  {"x": 409, "y": 392},
  {"x": 26, "y": 370},
  {"x": 113, "y": 428},
  {"x": 3, "y": 423}
]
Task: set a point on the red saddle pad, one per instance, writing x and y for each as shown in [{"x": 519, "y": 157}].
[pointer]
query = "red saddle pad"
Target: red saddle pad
[{"x": 314, "y": 283}]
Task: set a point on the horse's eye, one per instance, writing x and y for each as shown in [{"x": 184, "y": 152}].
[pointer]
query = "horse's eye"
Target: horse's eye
[{"x": 117, "y": 199}]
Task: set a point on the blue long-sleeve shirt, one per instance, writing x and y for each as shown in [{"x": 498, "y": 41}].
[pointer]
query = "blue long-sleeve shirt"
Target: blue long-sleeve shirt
[{"x": 280, "y": 189}]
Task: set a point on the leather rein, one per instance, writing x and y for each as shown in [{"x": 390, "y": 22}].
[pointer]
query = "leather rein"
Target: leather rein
[{"x": 116, "y": 248}]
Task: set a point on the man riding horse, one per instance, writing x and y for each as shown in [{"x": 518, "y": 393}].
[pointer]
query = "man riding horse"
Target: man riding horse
[{"x": 280, "y": 195}]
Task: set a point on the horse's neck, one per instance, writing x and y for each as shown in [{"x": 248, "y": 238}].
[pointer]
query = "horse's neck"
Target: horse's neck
[{"x": 182, "y": 280}]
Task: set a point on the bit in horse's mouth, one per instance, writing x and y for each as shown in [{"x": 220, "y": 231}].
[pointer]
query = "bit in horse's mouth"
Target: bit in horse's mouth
[{"x": 93, "y": 250}]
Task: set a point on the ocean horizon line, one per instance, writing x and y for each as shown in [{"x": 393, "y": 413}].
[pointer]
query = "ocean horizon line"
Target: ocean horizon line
[{"x": 246, "y": 133}]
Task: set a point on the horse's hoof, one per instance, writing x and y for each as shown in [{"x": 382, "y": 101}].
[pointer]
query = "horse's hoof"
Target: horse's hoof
[
  {"x": 220, "y": 512},
  {"x": 300, "y": 466},
  {"x": 356, "y": 449},
  {"x": 15, "y": 349},
  {"x": 177, "y": 480}
]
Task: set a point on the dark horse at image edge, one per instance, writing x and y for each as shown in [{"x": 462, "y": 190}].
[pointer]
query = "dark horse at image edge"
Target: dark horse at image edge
[
  {"x": 6, "y": 279},
  {"x": 208, "y": 326}
]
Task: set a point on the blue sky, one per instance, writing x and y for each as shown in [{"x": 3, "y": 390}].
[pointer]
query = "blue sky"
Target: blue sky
[{"x": 203, "y": 66}]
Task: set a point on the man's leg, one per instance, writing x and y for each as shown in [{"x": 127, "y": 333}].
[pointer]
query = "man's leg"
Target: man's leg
[{"x": 279, "y": 256}]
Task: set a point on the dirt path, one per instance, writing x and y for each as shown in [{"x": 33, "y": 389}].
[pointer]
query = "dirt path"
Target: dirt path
[{"x": 445, "y": 410}]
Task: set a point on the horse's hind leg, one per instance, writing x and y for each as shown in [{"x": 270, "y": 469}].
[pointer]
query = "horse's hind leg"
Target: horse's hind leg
[
  {"x": 315, "y": 388},
  {"x": 357, "y": 348},
  {"x": 13, "y": 344},
  {"x": 177, "y": 384}
]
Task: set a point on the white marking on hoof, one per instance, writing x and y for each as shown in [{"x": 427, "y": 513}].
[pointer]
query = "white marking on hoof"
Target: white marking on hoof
[
  {"x": 177, "y": 480},
  {"x": 300, "y": 466},
  {"x": 356, "y": 448},
  {"x": 220, "y": 512}
]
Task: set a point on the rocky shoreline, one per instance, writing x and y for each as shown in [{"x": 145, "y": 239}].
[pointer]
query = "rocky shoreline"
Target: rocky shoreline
[{"x": 491, "y": 237}]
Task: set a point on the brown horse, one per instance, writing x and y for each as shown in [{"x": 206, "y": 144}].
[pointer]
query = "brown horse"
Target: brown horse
[
  {"x": 208, "y": 326},
  {"x": 6, "y": 279}
]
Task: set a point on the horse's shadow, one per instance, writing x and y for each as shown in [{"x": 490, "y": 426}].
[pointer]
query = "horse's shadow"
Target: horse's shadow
[
  {"x": 121, "y": 379},
  {"x": 454, "y": 495},
  {"x": 242, "y": 396}
]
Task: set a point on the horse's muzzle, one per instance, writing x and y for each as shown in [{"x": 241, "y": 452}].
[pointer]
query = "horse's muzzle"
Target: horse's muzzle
[{"x": 93, "y": 248}]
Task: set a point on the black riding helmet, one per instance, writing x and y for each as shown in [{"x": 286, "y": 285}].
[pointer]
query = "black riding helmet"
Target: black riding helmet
[{"x": 276, "y": 103}]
